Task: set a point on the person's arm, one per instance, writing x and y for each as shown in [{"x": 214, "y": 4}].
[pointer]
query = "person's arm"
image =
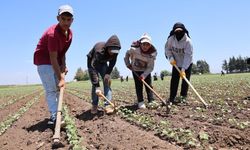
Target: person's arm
[
  {"x": 168, "y": 49},
  {"x": 127, "y": 58},
  {"x": 90, "y": 57},
  {"x": 187, "y": 56},
  {"x": 111, "y": 65},
  {"x": 150, "y": 66},
  {"x": 56, "y": 67},
  {"x": 63, "y": 67}
]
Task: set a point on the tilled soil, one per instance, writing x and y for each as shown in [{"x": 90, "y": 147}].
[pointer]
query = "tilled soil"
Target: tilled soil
[
  {"x": 12, "y": 108},
  {"x": 99, "y": 131},
  {"x": 102, "y": 131},
  {"x": 31, "y": 131}
]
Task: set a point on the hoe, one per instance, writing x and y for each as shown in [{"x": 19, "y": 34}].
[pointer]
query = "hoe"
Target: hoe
[
  {"x": 56, "y": 136},
  {"x": 162, "y": 100},
  {"x": 201, "y": 99},
  {"x": 103, "y": 96}
]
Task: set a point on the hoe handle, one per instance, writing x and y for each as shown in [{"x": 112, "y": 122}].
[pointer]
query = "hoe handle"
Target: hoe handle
[
  {"x": 56, "y": 136},
  {"x": 154, "y": 92},
  {"x": 192, "y": 87},
  {"x": 144, "y": 82},
  {"x": 107, "y": 100}
]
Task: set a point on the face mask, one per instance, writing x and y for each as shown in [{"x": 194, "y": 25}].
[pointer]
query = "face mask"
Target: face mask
[{"x": 179, "y": 35}]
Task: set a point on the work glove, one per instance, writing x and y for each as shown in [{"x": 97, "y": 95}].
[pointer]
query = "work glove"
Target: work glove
[
  {"x": 106, "y": 78},
  {"x": 182, "y": 73},
  {"x": 98, "y": 91},
  {"x": 142, "y": 77},
  {"x": 172, "y": 61}
]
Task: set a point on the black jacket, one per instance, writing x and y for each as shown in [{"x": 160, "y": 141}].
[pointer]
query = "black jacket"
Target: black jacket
[{"x": 99, "y": 55}]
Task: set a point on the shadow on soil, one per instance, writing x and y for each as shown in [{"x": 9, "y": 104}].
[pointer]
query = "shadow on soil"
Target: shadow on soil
[
  {"x": 133, "y": 107},
  {"x": 40, "y": 126},
  {"x": 87, "y": 115}
]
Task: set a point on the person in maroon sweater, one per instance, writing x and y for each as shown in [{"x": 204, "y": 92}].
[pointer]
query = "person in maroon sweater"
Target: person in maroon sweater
[{"x": 50, "y": 57}]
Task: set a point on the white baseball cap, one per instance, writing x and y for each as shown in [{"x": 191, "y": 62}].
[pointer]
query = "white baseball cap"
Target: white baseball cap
[
  {"x": 145, "y": 38},
  {"x": 65, "y": 8}
]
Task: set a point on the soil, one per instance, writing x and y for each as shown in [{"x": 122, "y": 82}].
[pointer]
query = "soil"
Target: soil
[{"x": 102, "y": 131}]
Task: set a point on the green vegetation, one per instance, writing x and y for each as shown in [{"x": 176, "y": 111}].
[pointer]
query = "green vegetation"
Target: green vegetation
[
  {"x": 15, "y": 91},
  {"x": 13, "y": 117},
  {"x": 71, "y": 130},
  {"x": 224, "y": 94}
]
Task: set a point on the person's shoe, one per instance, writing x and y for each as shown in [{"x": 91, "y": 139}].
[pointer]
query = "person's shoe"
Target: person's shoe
[
  {"x": 141, "y": 105},
  {"x": 52, "y": 120},
  {"x": 172, "y": 101},
  {"x": 183, "y": 99},
  {"x": 153, "y": 105},
  {"x": 94, "y": 109},
  {"x": 109, "y": 109}
]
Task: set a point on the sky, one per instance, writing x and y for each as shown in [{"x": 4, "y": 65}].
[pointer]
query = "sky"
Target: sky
[{"x": 219, "y": 29}]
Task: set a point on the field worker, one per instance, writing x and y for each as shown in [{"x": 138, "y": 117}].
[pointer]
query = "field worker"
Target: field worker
[
  {"x": 179, "y": 51},
  {"x": 50, "y": 57},
  {"x": 98, "y": 58},
  {"x": 140, "y": 60}
]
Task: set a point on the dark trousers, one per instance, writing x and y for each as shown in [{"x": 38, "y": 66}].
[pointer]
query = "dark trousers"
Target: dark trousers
[
  {"x": 175, "y": 82},
  {"x": 139, "y": 86}
]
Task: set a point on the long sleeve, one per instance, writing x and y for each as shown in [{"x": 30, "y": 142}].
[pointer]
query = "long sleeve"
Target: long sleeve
[
  {"x": 111, "y": 65},
  {"x": 188, "y": 56},
  {"x": 168, "y": 49},
  {"x": 150, "y": 66},
  {"x": 90, "y": 56},
  {"x": 127, "y": 57}
]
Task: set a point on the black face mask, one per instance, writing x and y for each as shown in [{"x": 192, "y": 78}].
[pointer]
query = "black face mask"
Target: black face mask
[{"x": 179, "y": 35}]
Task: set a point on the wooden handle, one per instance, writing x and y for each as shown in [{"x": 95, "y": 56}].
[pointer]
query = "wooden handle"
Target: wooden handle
[
  {"x": 56, "y": 136},
  {"x": 107, "y": 100},
  {"x": 154, "y": 92}
]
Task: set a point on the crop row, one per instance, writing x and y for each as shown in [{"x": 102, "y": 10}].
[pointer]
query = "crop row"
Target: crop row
[
  {"x": 13, "y": 117},
  {"x": 180, "y": 136},
  {"x": 71, "y": 130},
  {"x": 11, "y": 101},
  {"x": 184, "y": 137}
]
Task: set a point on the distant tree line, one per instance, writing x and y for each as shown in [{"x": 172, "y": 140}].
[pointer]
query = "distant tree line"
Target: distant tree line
[
  {"x": 81, "y": 75},
  {"x": 236, "y": 65},
  {"x": 201, "y": 66},
  {"x": 84, "y": 75}
]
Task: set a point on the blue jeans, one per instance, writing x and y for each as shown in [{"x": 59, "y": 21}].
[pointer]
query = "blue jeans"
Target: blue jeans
[
  {"x": 100, "y": 69},
  {"x": 49, "y": 81}
]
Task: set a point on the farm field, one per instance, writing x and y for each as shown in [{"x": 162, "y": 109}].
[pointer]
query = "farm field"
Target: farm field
[{"x": 225, "y": 124}]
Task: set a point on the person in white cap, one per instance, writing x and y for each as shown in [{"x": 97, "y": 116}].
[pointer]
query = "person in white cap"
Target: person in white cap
[
  {"x": 50, "y": 57},
  {"x": 179, "y": 51},
  {"x": 97, "y": 62},
  {"x": 140, "y": 60}
]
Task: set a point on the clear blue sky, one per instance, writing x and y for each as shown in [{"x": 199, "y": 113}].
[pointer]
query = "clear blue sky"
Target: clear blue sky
[{"x": 219, "y": 29}]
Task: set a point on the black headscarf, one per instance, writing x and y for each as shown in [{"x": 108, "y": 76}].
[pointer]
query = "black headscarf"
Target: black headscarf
[{"x": 178, "y": 25}]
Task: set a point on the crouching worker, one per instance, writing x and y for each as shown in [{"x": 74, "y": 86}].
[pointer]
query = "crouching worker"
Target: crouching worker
[
  {"x": 140, "y": 60},
  {"x": 98, "y": 57}
]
